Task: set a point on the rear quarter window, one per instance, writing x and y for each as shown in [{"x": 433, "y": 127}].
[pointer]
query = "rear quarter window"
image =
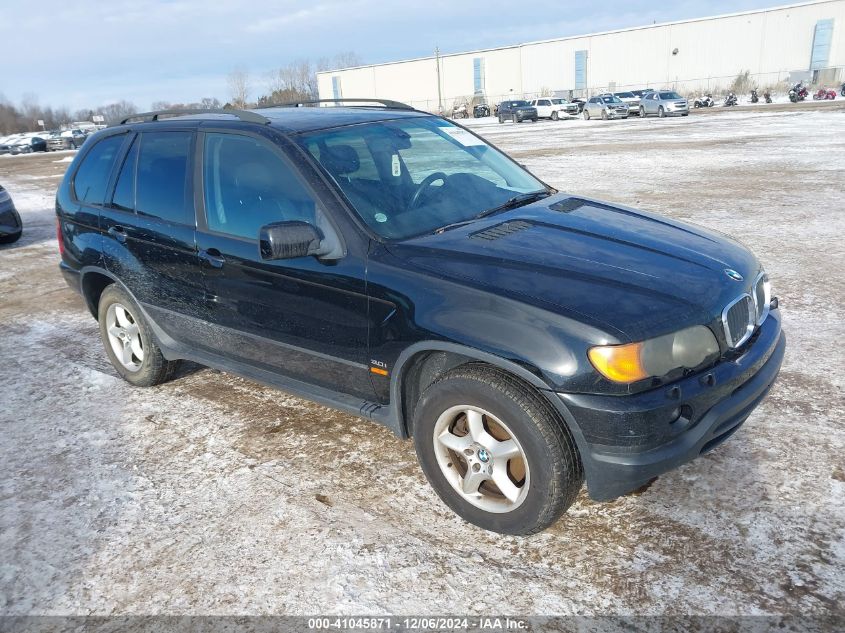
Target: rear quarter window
[{"x": 92, "y": 177}]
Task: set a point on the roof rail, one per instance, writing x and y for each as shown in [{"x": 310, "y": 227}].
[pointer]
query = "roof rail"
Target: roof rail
[
  {"x": 243, "y": 115},
  {"x": 387, "y": 103}
]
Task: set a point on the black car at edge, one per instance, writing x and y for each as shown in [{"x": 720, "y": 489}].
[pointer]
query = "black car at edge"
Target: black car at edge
[
  {"x": 11, "y": 226},
  {"x": 396, "y": 266}
]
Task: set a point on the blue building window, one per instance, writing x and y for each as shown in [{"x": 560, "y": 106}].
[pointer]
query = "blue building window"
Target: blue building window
[
  {"x": 821, "y": 44},
  {"x": 337, "y": 93},
  {"x": 478, "y": 75},
  {"x": 580, "y": 70}
]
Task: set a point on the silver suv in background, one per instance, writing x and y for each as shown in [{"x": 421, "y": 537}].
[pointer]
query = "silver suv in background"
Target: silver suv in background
[
  {"x": 606, "y": 107},
  {"x": 631, "y": 100},
  {"x": 663, "y": 103}
]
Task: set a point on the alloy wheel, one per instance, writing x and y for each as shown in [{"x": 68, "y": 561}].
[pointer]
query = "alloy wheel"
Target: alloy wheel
[
  {"x": 481, "y": 459},
  {"x": 125, "y": 337}
]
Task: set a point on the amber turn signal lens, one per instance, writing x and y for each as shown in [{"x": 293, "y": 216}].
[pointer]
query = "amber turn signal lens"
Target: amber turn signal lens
[{"x": 619, "y": 363}]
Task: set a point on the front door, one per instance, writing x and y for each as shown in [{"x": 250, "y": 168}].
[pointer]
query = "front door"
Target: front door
[{"x": 304, "y": 318}]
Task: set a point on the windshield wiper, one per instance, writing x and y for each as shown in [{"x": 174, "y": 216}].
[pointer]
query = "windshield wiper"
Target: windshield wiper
[
  {"x": 517, "y": 201},
  {"x": 510, "y": 203}
]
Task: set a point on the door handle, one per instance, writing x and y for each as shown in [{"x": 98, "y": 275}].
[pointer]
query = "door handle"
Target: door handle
[
  {"x": 213, "y": 257},
  {"x": 118, "y": 233}
]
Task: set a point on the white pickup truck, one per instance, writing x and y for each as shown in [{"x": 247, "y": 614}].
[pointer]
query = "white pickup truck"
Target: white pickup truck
[{"x": 554, "y": 108}]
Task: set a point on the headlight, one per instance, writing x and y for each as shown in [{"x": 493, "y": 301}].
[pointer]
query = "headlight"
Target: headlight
[{"x": 655, "y": 357}]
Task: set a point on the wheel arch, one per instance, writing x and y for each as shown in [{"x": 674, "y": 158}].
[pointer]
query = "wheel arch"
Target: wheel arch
[
  {"x": 423, "y": 363},
  {"x": 94, "y": 281}
]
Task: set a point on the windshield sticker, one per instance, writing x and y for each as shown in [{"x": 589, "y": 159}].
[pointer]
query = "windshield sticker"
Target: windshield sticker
[
  {"x": 381, "y": 217},
  {"x": 396, "y": 166},
  {"x": 462, "y": 136}
]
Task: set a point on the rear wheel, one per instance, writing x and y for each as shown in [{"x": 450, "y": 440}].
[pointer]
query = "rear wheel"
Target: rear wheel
[
  {"x": 128, "y": 342},
  {"x": 495, "y": 452}
]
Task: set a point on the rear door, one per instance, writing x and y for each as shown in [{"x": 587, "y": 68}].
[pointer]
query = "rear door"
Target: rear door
[
  {"x": 304, "y": 318},
  {"x": 150, "y": 230}
]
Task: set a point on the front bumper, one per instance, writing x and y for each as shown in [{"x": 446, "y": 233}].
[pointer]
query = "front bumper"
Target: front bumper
[
  {"x": 625, "y": 441},
  {"x": 10, "y": 220}
]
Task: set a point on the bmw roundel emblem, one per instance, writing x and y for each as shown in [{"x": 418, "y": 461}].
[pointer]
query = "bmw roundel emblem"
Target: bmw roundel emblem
[
  {"x": 483, "y": 455},
  {"x": 730, "y": 272}
]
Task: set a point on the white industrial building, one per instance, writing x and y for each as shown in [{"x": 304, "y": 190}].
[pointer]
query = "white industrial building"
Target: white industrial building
[{"x": 777, "y": 45}]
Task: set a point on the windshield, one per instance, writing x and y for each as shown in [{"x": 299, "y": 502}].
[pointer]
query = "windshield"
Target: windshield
[
  {"x": 625, "y": 95},
  {"x": 670, "y": 95},
  {"x": 516, "y": 104},
  {"x": 610, "y": 99},
  {"x": 559, "y": 101},
  {"x": 408, "y": 177}
]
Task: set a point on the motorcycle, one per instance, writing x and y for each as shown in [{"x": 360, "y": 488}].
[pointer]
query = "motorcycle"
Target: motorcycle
[
  {"x": 730, "y": 100},
  {"x": 824, "y": 94},
  {"x": 704, "y": 102},
  {"x": 798, "y": 92},
  {"x": 767, "y": 96},
  {"x": 754, "y": 97},
  {"x": 481, "y": 110}
]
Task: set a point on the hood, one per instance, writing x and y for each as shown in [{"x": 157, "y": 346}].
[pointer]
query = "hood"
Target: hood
[{"x": 630, "y": 273}]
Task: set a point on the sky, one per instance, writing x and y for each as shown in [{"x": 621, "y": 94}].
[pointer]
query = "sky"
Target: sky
[{"x": 87, "y": 53}]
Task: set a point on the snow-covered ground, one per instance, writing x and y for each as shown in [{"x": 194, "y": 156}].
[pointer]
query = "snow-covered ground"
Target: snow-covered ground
[{"x": 214, "y": 495}]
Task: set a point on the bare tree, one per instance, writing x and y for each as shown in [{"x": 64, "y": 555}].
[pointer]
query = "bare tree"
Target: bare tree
[
  {"x": 119, "y": 110},
  {"x": 239, "y": 82}
]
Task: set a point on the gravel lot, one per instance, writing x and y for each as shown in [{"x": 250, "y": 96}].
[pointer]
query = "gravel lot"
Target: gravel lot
[{"x": 214, "y": 495}]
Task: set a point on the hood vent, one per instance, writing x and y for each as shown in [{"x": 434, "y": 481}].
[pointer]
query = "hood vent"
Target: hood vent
[{"x": 500, "y": 230}]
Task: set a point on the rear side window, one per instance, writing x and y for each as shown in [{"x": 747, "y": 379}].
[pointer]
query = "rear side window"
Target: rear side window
[
  {"x": 161, "y": 183},
  {"x": 92, "y": 177},
  {"x": 124, "y": 191}
]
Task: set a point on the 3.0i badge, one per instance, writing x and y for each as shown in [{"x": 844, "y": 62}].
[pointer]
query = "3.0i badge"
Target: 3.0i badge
[{"x": 730, "y": 272}]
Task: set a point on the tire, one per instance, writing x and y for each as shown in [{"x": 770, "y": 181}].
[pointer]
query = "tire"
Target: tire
[
  {"x": 642, "y": 112},
  {"x": 501, "y": 120},
  {"x": 661, "y": 113},
  {"x": 604, "y": 115},
  {"x": 515, "y": 118},
  {"x": 586, "y": 114},
  {"x": 534, "y": 120},
  {"x": 555, "y": 116},
  {"x": 144, "y": 370},
  {"x": 685, "y": 114},
  {"x": 10, "y": 238},
  {"x": 501, "y": 407}
]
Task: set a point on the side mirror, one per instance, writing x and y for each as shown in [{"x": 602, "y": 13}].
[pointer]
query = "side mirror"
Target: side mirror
[{"x": 287, "y": 240}]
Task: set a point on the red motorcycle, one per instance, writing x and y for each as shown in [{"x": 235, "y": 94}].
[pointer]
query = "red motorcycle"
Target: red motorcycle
[{"x": 824, "y": 94}]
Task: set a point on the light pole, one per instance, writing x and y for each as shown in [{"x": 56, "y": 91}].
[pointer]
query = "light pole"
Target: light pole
[{"x": 439, "y": 96}]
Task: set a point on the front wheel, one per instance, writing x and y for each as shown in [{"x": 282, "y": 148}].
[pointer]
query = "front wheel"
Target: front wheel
[
  {"x": 555, "y": 116},
  {"x": 604, "y": 115},
  {"x": 661, "y": 112},
  {"x": 586, "y": 115},
  {"x": 128, "y": 342},
  {"x": 495, "y": 452},
  {"x": 642, "y": 112},
  {"x": 501, "y": 120}
]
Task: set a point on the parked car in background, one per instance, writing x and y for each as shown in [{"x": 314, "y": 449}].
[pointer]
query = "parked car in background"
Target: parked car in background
[
  {"x": 69, "y": 139},
  {"x": 11, "y": 226},
  {"x": 517, "y": 110},
  {"x": 580, "y": 103},
  {"x": 28, "y": 145},
  {"x": 480, "y": 110},
  {"x": 663, "y": 103},
  {"x": 629, "y": 99},
  {"x": 554, "y": 108},
  {"x": 605, "y": 107}
]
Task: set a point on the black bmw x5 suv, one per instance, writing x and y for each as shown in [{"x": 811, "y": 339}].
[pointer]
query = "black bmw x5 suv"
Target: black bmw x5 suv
[{"x": 394, "y": 265}]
